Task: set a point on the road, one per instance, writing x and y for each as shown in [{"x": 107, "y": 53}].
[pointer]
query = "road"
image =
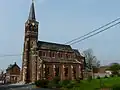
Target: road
[{"x": 20, "y": 87}]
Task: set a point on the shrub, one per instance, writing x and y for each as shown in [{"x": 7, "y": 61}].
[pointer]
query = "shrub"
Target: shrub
[
  {"x": 98, "y": 77},
  {"x": 69, "y": 85},
  {"x": 116, "y": 87},
  {"x": 64, "y": 82},
  {"x": 54, "y": 83},
  {"x": 37, "y": 83},
  {"x": 78, "y": 80},
  {"x": 51, "y": 84},
  {"x": 42, "y": 83},
  {"x": 111, "y": 75},
  {"x": 118, "y": 75},
  {"x": 89, "y": 78},
  {"x": 56, "y": 80},
  {"x": 106, "y": 76}
]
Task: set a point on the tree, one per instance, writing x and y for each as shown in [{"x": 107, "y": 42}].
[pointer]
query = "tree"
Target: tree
[
  {"x": 114, "y": 67},
  {"x": 2, "y": 76},
  {"x": 91, "y": 60}
]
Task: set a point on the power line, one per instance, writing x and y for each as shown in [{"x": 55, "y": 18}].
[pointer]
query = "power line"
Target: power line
[
  {"x": 79, "y": 37},
  {"x": 93, "y": 31},
  {"x": 12, "y": 55}
]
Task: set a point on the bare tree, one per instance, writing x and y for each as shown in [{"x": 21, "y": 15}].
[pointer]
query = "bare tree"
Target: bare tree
[
  {"x": 2, "y": 76},
  {"x": 91, "y": 60}
]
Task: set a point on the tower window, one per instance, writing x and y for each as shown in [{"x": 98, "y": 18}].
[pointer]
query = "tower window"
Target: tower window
[
  {"x": 43, "y": 53},
  {"x": 40, "y": 53}
]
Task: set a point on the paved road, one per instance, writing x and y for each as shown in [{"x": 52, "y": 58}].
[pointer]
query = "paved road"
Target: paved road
[{"x": 20, "y": 87}]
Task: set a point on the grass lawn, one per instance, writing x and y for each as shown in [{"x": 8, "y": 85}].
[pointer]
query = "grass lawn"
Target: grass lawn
[{"x": 95, "y": 83}]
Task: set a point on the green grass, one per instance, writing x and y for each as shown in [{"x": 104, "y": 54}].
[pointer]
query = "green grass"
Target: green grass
[{"x": 95, "y": 83}]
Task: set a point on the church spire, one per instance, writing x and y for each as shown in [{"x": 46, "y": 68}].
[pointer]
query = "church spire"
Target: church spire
[{"x": 32, "y": 12}]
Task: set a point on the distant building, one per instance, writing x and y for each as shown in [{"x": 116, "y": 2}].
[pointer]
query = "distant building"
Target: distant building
[
  {"x": 43, "y": 59},
  {"x": 103, "y": 71},
  {"x": 12, "y": 73}
]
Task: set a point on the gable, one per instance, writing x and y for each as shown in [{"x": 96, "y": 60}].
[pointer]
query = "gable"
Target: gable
[{"x": 12, "y": 66}]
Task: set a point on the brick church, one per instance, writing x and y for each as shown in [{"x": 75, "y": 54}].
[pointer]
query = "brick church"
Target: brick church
[{"x": 46, "y": 60}]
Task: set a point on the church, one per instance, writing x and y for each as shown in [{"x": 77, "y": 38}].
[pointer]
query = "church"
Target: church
[{"x": 46, "y": 60}]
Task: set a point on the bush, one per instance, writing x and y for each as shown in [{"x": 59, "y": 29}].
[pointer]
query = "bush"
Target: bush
[
  {"x": 37, "y": 83},
  {"x": 106, "y": 76},
  {"x": 89, "y": 78},
  {"x": 78, "y": 80},
  {"x": 98, "y": 77},
  {"x": 64, "y": 82},
  {"x": 111, "y": 75},
  {"x": 42, "y": 83},
  {"x": 116, "y": 87},
  {"x": 56, "y": 80},
  {"x": 54, "y": 83},
  {"x": 51, "y": 84},
  {"x": 118, "y": 75},
  {"x": 69, "y": 85}
]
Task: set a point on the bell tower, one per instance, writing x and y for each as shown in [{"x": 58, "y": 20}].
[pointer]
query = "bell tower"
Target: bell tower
[{"x": 29, "y": 59}]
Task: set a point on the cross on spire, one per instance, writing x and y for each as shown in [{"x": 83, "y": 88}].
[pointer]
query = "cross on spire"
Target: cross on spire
[{"x": 33, "y": 1}]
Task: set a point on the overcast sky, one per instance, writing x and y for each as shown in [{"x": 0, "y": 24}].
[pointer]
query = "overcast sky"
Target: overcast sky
[{"x": 61, "y": 21}]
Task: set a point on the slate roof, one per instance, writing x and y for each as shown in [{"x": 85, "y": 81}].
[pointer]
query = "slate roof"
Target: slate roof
[
  {"x": 12, "y": 66},
  {"x": 54, "y": 46},
  {"x": 32, "y": 12}
]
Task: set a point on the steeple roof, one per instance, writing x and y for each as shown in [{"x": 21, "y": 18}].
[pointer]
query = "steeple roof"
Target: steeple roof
[{"x": 32, "y": 12}]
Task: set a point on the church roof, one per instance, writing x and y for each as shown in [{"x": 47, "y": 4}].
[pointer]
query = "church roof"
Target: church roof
[
  {"x": 76, "y": 52},
  {"x": 54, "y": 46}
]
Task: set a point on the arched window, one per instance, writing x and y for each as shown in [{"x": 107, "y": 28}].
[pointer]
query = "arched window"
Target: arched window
[
  {"x": 40, "y": 53},
  {"x": 56, "y": 71},
  {"x": 47, "y": 72},
  {"x": 43, "y": 53},
  {"x": 66, "y": 71}
]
